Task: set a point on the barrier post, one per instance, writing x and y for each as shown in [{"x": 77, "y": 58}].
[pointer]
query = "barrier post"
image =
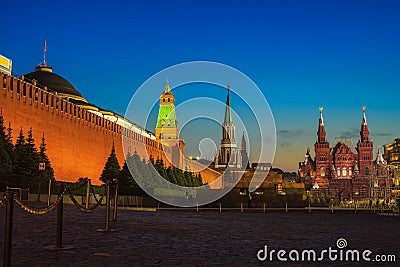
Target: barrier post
[
  {"x": 8, "y": 229},
  {"x": 286, "y": 208},
  {"x": 87, "y": 194},
  {"x": 220, "y": 207},
  {"x": 309, "y": 208},
  {"x": 115, "y": 201},
  {"x": 49, "y": 193},
  {"x": 107, "y": 228},
  {"x": 241, "y": 207},
  {"x": 60, "y": 209},
  {"x": 107, "y": 208}
]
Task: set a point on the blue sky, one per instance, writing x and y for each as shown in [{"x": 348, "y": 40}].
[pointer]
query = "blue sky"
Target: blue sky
[{"x": 301, "y": 54}]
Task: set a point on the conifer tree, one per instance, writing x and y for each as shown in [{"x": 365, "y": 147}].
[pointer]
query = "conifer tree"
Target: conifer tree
[
  {"x": 48, "y": 172},
  {"x": 6, "y": 163},
  {"x": 26, "y": 159},
  {"x": 125, "y": 179},
  {"x": 111, "y": 169},
  {"x": 10, "y": 146}
]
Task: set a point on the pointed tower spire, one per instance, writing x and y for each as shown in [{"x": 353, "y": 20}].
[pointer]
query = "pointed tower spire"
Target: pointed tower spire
[
  {"x": 321, "y": 119},
  {"x": 243, "y": 145},
  {"x": 228, "y": 110},
  {"x": 379, "y": 157},
  {"x": 321, "y": 128},
  {"x": 229, "y": 155},
  {"x": 167, "y": 89},
  {"x": 243, "y": 152},
  {"x": 364, "y": 120},
  {"x": 364, "y": 133}
]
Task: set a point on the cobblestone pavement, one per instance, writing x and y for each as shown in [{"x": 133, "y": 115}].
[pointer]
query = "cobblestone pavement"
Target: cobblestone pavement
[{"x": 173, "y": 238}]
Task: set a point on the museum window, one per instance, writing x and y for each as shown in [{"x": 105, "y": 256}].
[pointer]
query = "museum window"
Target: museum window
[
  {"x": 24, "y": 90},
  {"x": 344, "y": 171},
  {"x": 338, "y": 172},
  {"x": 36, "y": 95},
  {"x": 18, "y": 88},
  {"x": 322, "y": 171},
  {"x": 4, "y": 82}
]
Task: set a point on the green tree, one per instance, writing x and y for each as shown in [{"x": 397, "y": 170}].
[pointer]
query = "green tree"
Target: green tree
[
  {"x": 111, "y": 169},
  {"x": 6, "y": 162},
  {"x": 27, "y": 159},
  {"x": 126, "y": 182},
  {"x": 46, "y": 172}
]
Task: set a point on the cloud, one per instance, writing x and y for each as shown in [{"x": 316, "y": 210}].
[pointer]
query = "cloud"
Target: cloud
[
  {"x": 351, "y": 133},
  {"x": 284, "y": 145},
  {"x": 382, "y": 134},
  {"x": 290, "y": 133}
]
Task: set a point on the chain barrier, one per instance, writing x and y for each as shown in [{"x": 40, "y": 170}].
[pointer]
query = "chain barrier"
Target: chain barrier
[
  {"x": 80, "y": 186},
  {"x": 41, "y": 211},
  {"x": 79, "y": 206},
  {"x": 95, "y": 198}
]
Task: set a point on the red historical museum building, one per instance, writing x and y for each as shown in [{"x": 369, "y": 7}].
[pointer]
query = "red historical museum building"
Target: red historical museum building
[{"x": 344, "y": 171}]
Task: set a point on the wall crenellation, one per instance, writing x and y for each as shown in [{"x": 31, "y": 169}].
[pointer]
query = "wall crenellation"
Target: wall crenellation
[
  {"x": 20, "y": 89},
  {"x": 78, "y": 141}
]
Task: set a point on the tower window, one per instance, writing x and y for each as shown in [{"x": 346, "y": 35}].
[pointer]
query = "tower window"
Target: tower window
[
  {"x": 163, "y": 100},
  {"x": 169, "y": 100}
]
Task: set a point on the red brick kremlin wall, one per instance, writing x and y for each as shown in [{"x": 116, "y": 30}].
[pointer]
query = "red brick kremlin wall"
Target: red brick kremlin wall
[{"x": 78, "y": 141}]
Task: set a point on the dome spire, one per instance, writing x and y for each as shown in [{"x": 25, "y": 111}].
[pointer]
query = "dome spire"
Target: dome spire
[
  {"x": 43, "y": 65},
  {"x": 44, "y": 52}
]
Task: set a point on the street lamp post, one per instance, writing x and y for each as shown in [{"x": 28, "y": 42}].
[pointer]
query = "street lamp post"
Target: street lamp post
[{"x": 42, "y": 167}]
